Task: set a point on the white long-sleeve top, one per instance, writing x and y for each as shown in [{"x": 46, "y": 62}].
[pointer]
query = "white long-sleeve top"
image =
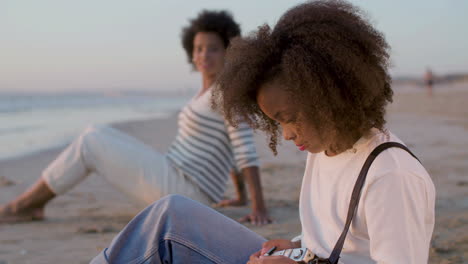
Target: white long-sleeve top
[
  {"x": 206, "y": 147},
  {"x": 395, "y": 215}
]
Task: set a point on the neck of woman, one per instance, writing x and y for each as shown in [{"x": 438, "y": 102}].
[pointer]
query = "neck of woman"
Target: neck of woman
[
  {"x": 371, "y": 132},
  {"x": 207, "y": 82}
]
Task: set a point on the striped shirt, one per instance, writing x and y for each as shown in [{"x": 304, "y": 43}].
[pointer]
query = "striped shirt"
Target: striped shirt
[{"x": 206, "y": 147}]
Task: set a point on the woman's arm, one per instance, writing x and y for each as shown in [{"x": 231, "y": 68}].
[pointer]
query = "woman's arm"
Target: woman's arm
[
  {"x": 246, "y": 160},
  {"x": 259, "y": 215},
  {"x": 399, "y": 214}
]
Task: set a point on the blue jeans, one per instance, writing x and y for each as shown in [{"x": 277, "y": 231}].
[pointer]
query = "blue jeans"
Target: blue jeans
[{"x": 176, "y": 229}]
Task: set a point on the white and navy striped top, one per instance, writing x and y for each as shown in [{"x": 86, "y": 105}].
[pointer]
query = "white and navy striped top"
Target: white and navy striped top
[{"x": 206, "y": 147}]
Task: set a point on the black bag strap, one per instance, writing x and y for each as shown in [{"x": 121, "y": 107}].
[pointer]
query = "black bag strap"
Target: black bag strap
[{"x": 335, "y": 254}]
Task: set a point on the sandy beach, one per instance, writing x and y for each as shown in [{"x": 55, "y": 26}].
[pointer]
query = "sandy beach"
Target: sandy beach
[{"x": 82, "y": 222}]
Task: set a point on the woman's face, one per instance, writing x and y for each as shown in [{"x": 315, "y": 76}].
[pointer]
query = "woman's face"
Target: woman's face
[
  {"x": 276, "y": 104},
  {"x": 208, "y": 53}
]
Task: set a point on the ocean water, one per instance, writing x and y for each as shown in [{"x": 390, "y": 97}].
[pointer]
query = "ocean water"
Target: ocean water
[{"x": 32, "y": 122}]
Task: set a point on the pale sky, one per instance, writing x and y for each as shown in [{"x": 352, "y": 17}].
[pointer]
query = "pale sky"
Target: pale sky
[{"x": 69, "y": 45}]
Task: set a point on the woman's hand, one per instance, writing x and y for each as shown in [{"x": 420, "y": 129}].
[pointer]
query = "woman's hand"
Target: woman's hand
[
  {"x": 280, "y": 244},
  {"x": 256, "y": 217}
]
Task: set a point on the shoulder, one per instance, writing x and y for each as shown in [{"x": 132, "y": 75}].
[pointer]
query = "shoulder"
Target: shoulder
[
  {"x": 396, "y": 165},
  {"x": 201, "y": 107}
]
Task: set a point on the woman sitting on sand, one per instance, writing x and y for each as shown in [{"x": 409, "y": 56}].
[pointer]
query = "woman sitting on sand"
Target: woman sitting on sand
[
  {"x": 321, "y": 75},
  {"x": 197, "y": 164}
]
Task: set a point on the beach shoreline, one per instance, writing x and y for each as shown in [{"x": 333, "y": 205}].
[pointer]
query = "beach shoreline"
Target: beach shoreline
[{"x": 82, "y": 222}]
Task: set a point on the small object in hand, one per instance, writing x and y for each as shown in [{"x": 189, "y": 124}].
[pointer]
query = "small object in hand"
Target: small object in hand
[
  {"x": 300, "y": 255},
  {"x": 270, "y": 251}
]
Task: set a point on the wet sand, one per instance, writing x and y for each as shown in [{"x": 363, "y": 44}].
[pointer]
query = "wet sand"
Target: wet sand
[{"x": 82, "y": 222}]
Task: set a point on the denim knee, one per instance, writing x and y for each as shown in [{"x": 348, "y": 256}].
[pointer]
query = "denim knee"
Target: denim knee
[{"x": 173, "y": 204}]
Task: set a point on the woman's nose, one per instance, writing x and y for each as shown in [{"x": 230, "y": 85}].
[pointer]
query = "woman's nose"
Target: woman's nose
[{"x": 288, "y": 135}]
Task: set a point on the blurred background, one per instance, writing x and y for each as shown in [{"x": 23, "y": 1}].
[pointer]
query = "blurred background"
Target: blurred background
[
  {"x": 84, "y": 59},
  {"x": 57, "y": 45}
]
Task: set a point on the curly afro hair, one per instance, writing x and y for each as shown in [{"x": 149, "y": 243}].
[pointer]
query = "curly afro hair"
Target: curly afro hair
[
  {"x": 219, "y": 22},
  {"x": 328, "y": 58}
]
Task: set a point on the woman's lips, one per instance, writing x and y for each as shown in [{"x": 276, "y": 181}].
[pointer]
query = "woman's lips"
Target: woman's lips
[
  {"x": 301, "y": 147},
  {"x": 206, "y": 65}
]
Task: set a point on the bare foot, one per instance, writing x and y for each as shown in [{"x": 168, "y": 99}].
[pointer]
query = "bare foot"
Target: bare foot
[
  {"x": 9, "y": 216},
  {"x": 29, "y": 206},
  {"x": 232, "y": 202}
]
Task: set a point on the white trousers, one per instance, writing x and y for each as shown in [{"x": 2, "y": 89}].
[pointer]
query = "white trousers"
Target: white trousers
[{"x": 132, "y": 167}]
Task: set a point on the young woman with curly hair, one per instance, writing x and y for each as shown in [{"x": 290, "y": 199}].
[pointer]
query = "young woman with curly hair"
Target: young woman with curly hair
[
  {"x": 320, "y": 78},
  {"x": 198, "y": 162}
]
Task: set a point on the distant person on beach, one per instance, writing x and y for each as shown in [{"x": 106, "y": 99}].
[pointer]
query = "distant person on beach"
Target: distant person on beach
[
  {"x": 429, "y": 81},
  {"x": 321, "y": 76},
  {"x": 198, "y": 163}
]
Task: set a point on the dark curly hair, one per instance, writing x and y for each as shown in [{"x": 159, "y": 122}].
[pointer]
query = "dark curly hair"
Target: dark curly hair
[
  {"x": 219, "y": 22},
  {"x": 330, "y": 60}
]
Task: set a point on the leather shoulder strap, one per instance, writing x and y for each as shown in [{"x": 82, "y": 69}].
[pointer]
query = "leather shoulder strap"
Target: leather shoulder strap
[{"x": 335, "y": 254}]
